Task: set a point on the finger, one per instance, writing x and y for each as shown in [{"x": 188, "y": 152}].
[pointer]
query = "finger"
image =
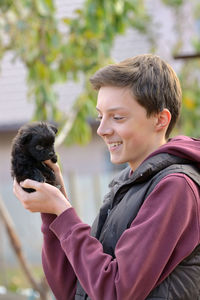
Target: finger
[
  {"x": 16, "y": 187},
  {"x": 25, "y": 198},
  {"x": 53, "y": 166},
  {"x": 49, "y": 162},
  {"x": 19, "y": 192},
  {"x": 29, "y": 183}
]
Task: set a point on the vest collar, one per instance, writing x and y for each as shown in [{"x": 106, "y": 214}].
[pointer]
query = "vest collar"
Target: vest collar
[{"x": 147, "y": 169}]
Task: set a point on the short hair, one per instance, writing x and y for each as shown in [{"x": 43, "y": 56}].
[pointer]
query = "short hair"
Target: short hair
[{"x": 153, "y": 82}]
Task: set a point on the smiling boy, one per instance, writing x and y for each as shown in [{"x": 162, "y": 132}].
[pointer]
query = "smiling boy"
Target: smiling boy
[
  {"x": 144, "y": 243},
  {"x": 124, "y": 126}
]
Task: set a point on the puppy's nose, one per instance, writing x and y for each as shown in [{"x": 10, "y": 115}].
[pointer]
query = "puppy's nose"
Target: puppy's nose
[{"x": 51, "y": 154}]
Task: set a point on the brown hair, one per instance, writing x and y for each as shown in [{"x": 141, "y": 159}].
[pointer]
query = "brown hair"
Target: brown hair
[{"x": 153, "y": 82}]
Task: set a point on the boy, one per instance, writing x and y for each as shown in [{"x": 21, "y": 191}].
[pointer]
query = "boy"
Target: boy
[{"x": 144, "y": 242}]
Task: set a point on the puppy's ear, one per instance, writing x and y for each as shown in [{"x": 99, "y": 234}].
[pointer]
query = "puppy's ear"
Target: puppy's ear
[
  {"x": 53, "y": 128},
  {"x": 26, "y": 137}
]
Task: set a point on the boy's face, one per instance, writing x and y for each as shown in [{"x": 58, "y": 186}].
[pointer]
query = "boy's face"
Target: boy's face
[{"x": 124, "y": 126}]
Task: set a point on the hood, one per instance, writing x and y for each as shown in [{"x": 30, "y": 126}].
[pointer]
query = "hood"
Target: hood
[
  {"x": 178, "y": 150},
  {"x": 183, "y": 147}
]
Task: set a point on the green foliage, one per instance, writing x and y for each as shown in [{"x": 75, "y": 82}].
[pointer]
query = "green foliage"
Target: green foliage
[
  {"x": 14, "y": 279},
  {"x": 32, "y": 35},
  {"x": 173, "y": 3},
  {"x": 30, "y": 30},
  {"x": 190, "y": 81},
  {"x": 50, "y": 56},
  {"x": 91, "y": 36}
]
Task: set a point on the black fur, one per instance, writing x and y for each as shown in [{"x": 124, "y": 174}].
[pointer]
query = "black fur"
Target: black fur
[{"x": 33, "y": 144}]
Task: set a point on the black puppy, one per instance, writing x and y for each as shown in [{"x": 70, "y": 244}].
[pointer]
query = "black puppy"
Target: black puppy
[{"x": 33, "y": 144}]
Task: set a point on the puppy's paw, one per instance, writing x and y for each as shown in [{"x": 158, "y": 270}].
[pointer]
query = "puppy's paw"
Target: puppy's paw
[{"x": 35, "y": 175}]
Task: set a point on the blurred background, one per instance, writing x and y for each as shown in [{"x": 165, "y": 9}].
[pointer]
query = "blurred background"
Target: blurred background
[{"x": 48, "y": 51}]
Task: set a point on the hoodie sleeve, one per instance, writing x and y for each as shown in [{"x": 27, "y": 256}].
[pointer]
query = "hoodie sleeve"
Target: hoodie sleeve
[
  {"x": 165, "y": 231},
  {"x": 57, "y": 268}
]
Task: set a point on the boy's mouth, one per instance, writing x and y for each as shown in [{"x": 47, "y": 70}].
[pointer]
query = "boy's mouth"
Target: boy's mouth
[{"x": 114, "y": 145}]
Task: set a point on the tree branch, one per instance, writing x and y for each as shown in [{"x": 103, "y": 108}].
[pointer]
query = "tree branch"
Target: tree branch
[
  {"x": 42, "y": 288},
  {"x": 67, "y": 127}
]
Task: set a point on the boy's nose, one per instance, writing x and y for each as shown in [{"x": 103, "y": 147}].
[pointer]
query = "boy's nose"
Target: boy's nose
[{"x": 104, "y": 129}]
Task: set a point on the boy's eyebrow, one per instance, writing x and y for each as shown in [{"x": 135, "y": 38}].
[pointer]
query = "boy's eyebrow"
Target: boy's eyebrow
[{"x": 112, "y": 109}]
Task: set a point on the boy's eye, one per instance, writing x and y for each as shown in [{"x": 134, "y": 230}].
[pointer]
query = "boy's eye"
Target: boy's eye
[
  {"x": 99, "y": 118},
  {"x": 117, "y": 118},
  {"x": 39, "y": 147}
]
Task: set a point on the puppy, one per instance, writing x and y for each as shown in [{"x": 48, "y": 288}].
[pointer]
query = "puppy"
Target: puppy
[{"x": 33, "y": 144}]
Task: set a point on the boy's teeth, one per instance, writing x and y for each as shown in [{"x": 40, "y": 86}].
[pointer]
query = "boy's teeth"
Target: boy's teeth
[{"x": 115, "y": 144}]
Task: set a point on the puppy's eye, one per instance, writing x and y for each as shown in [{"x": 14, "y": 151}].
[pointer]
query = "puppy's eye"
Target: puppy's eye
[{"x": 39, "y": 147}]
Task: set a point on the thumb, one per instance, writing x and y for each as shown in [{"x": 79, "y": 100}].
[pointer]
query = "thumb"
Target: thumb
[{"x": 29, "y": 183}]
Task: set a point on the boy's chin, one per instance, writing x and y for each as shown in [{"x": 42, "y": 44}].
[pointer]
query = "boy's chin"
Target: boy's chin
[{"x": 116, "y": 161}]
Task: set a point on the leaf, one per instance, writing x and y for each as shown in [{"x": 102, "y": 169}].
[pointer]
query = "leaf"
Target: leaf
[
  {"x": 66, "y": 20},
  {"x": 43, "y": 7},
  {"x": 174, "y": 3}
]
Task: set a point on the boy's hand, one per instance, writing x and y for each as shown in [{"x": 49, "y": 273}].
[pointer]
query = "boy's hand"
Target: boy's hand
[
  {"x": 59, "y": 178},
  {"x": 46, "y": 198}
]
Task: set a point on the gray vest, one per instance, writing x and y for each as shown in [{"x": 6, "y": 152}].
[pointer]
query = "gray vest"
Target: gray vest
[{"x": 119, "y": 210}]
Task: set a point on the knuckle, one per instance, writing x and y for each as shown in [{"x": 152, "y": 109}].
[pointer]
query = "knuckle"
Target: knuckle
[
  {"x": 25, "y": 181},
  {"x": 39, "y": 185}
]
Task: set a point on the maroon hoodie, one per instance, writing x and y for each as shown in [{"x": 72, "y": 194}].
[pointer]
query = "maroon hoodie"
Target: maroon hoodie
[{"x": 162, "y": 234}]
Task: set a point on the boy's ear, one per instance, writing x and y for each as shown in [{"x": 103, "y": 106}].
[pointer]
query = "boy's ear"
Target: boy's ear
[{"x": 163, "y": 119}]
